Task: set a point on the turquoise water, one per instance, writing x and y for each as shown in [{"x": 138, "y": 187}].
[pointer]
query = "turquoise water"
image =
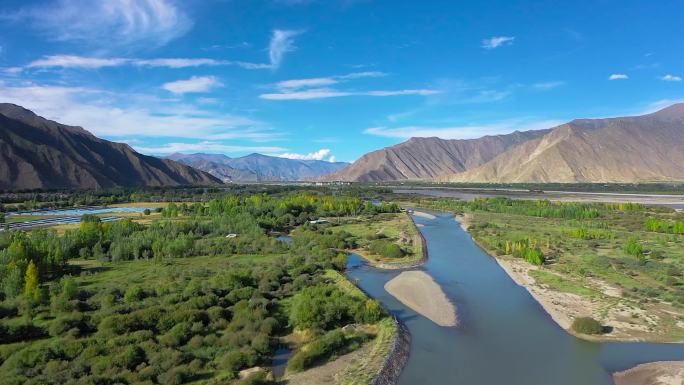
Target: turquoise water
[{"x": 504, "y": 335}]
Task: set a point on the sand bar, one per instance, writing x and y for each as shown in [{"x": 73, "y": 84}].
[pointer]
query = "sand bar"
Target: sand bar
[
  {"x": 424, "y": 215},
  {"x": 654, "y": 373},
  {"x": 417, "y": 290}
]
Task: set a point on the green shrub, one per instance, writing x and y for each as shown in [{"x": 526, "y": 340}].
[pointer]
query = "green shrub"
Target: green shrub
[
  {"x": 134, "y": 294},
  {"x": 385, "y": 249},
  {"x": 586, "y": 325},
  {"x": 329, "y": 345}
]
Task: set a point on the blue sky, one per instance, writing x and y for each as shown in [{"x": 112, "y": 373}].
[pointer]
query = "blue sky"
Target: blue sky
[{"x": 334, "y": 79}]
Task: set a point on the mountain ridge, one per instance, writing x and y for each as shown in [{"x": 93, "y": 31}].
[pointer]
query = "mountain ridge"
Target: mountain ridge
[
  {"x": 40, "y": 153},
  {"x": 623, "y": 149},
  {"x": 257, "y": 167},
  {"x": 427, "y": 158}
]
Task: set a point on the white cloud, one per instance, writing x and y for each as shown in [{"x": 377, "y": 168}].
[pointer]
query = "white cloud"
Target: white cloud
[
  {"x": 302, "y": 83},
  {"x": 322, "y": 93},
  {"x": 365, "y": 74},
  {"x": 318, "y": 93},
  {"x": 543, "y": 86},
  {"x": 106, "y": 114},
  {"x": 282, "y": 42},
  {"x": 326, "y": 81},
  {"x": 400, "y": 92},
  {"x": 178, "y": 62},
  {"x": 75, "y": 61},
  {"x": 193, "y": 85},
  {"x": 671, "y": 78},
  {"x": 72, "y": 61},
  {"x": 461, "y": 132},
  {"x": 108, "y": 23},
  {"x": 618, "y": 77},
  {"x": 204, "y": 146},
  {"x": 322, "y": 154},
  {"x": 497, "y": 41}
]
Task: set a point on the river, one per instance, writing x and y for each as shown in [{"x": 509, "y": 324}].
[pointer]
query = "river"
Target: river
[{"x": 504, "y": 335}]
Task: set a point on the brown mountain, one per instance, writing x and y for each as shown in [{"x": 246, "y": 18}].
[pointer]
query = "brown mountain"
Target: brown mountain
[
  {"x": 627, "y": 149},
  {"x": 426, "y": 158},
  {"x": 40, "y": 153}
]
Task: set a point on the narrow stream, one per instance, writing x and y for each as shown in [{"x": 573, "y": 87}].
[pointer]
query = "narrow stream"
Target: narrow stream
[{"x": 504, "y": 335}]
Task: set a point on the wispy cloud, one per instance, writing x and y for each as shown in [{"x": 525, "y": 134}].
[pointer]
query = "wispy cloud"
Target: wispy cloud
[
  {"x": 107, "y": 23},
  {"x": 497, "y": 41},
  {"x": 75, "y": 61},
  {"x": 178, "y": 62},
  {"x": 322, "y": 93},
  {"x": 461, "y": 132},
  {"x": 544, "y": 86},
  {"x": 72, "y": 61},
  {"x": 282, "y": 42},
  {"x": 195, "y": 84},
  {"x": 317, "y": 88},
  {"x": 125, "y": 115},
  {"x": 322, "y": 154},
  {"x": 305, "y": 83},
  {"x": 326, "y": 81},
  {"x": 671, "y": 78},
  {"x": 205, "y": 146},
  {"x": 618, "y": 77}
]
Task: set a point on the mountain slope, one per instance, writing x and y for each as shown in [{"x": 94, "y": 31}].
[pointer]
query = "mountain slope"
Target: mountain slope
[
  {"x": 425, "y": 158},
  {"x": 627, "y": 149},
  {"x": 258, "y": 167},
  {"x": 216, "y": 165},
  {"x": 40, "y": 153}
]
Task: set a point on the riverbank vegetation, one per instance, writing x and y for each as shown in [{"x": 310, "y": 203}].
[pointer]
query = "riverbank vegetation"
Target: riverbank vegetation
[
  {"x": 179, "y": 300},
  {"x": 385, "y": 239},
  {"x": 623, "y": 259}
]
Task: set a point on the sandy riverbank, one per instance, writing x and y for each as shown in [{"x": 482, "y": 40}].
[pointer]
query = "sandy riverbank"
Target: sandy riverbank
[
  {"x": 424, "y": 215},
  {"x": 654, "y": 373},
  {"x": 417, "y": 290},
  {"x": 564, "y": 307}
]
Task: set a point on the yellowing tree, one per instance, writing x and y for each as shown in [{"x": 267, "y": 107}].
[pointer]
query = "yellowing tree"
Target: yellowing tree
[{"x": 31, "y": 289}]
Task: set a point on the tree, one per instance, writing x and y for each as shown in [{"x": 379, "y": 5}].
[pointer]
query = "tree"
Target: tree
[
  {"x": 31, "y": 289},
  {"x": 11, "y": 283},
  {"x": 587, "y": 325}
]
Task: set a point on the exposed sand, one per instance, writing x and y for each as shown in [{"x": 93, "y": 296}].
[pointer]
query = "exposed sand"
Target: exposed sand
[
  {"x": 417, "y": 290},
  {"x": 424, "y": 215},
  {"x": 464, "y": 220},
  {"x": 654, "y": 373}
]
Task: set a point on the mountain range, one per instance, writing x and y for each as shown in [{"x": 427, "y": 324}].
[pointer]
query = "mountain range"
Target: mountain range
[
  {"x": 625, "y": 149},
  {"x": 427, "y": 158},
  {"x": 258, "y": 167},
  {"x": 39, "y": 153}
]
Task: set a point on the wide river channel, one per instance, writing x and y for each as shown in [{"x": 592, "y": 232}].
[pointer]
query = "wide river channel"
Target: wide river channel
[{"x": 504, "y": 336}]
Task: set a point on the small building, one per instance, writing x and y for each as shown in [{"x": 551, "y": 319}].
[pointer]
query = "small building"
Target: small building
[
  {"x": 318, "y": 221},
  {"x": 231, "y": 235}
]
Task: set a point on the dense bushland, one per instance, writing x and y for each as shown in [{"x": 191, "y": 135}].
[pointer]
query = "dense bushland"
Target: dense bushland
[{"x": 176, "y": 301}]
